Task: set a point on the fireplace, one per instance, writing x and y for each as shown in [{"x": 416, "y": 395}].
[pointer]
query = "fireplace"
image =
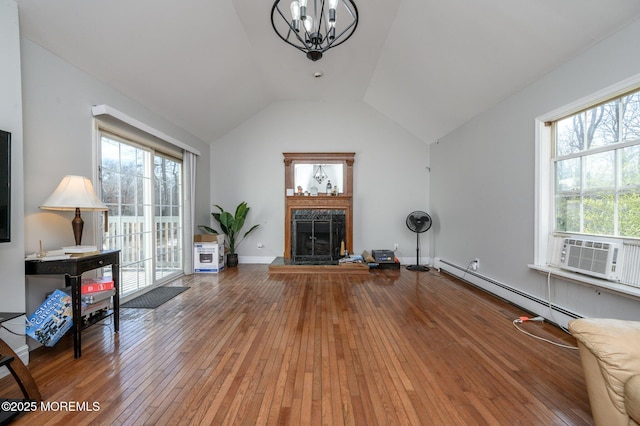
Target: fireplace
[
  {"x": 317, "y": 235},
  {"x": 317, "y": 222}
]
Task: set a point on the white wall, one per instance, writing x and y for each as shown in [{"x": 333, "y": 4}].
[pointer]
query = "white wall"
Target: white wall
[
  {"x": 12, "y": 297},
  {"x": 390, "y": 174},
  {"x": 483, "y": 188},
  {"x": 59, "y": 140}
]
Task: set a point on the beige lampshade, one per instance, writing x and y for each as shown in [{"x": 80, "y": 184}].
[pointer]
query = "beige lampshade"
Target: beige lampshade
[
  {"x": 75, "y": 193},
  {"x": 72, "y": 193}
]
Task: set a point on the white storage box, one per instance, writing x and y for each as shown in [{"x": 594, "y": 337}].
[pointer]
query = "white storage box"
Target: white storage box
[{"x": 208, "y": 257}]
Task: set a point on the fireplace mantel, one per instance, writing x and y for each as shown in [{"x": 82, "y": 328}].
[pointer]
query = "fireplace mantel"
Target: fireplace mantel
[{"x": 342, "y": 201}]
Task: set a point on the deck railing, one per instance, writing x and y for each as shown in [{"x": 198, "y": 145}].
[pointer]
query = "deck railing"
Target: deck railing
[{"x": 127, "y": 233}]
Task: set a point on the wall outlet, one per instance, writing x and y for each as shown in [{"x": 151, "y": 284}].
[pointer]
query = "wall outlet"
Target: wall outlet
[
  {"x": 395, "y": 247},
  {"x": 475, "y": 264}
]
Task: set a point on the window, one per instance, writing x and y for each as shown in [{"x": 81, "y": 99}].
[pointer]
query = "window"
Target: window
[
  {"x": 143, "y": 190},
  {"x": 587, "y": 157},
  {"x": 596, "y": 169}
]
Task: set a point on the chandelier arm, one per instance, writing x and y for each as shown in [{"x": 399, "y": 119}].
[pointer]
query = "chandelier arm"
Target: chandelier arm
[
  {"x": 321, "y": 15},
  {"x": 337, "y": 37},
  {"x": 304, "y": 46},
  {"x": 291, "y": 31},
  {"x": 353, "y": 13}
]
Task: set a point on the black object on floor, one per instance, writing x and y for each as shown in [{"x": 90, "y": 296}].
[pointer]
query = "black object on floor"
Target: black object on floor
[{"x": 154, "y": 298}]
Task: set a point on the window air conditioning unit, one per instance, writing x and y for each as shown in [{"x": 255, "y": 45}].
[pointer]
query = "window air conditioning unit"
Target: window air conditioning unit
[{"x": 599, "y": 259}]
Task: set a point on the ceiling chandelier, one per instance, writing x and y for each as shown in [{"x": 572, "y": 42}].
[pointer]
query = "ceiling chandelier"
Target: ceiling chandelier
[
  {"x": 319, "y": 174},
  {"x": 315, "y": 26}
]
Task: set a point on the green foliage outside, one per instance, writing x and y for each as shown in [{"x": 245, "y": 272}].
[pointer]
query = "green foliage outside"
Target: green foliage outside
[{"x": 599, "y": 214}]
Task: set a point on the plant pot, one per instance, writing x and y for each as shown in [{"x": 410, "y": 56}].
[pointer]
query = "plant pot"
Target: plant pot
[{"x": 232, "y": 260}]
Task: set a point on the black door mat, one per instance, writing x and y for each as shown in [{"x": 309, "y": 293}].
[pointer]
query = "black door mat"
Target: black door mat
[{"x": 154, "y": 298}]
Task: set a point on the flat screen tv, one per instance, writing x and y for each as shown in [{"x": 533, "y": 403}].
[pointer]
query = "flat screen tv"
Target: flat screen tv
[{"x": 5, "y": 186}]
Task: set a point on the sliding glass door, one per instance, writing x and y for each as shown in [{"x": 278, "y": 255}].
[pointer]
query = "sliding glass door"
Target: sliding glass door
[
  {"x": 142, "y": 190},
  {"x": 168, "y": 216}
]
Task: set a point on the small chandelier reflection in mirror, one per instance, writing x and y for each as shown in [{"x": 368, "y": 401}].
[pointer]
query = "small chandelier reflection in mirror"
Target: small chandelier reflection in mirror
[
  {"x": 319, "y": 174},
  {"x": 315, "y": 26}
]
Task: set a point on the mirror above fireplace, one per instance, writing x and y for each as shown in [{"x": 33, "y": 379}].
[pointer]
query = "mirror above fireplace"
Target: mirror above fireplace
[
  {"x": 309, "y": 175},
  {"x": 304, "y": 170}
]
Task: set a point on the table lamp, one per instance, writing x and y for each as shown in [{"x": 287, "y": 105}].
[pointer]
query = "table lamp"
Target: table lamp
[{"x": 74, "y": 193}]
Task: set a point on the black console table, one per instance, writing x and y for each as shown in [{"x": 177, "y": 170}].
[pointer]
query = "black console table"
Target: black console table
[{"x": 72, "y": 269}]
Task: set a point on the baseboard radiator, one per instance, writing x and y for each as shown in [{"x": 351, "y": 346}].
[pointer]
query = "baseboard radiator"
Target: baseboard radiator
[{"x": 551, "y": 312}]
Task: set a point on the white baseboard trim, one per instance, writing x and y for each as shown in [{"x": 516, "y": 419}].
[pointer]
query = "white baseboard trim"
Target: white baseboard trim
[
  {"x": 256, "y": 259},
  {"x": 550, "y": 312},
  {"x": 426, "y": 261},
  {"x": 23, "y": 354}
]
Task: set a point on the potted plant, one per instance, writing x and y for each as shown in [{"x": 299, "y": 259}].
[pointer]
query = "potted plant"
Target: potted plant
[{"x": 231, "y": 226}]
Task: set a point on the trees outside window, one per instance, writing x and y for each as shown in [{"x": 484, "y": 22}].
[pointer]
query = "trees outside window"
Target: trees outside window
[
  {"x": 143, "y": 192},
  {"x": 597, "y": 169}
]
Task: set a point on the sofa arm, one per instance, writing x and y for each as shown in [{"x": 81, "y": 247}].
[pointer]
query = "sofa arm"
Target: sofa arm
[
  {"x": 614, "y": 343},
  {"x": 632, "y": 397}
]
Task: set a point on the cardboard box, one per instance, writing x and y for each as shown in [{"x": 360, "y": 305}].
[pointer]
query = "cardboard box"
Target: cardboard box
[
  {"x": 209, "y": 238},
  {"x": 208, "y": 257}
]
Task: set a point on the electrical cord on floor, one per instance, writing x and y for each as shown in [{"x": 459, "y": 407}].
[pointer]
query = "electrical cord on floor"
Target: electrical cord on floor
[{"x": 537, "y": 319}]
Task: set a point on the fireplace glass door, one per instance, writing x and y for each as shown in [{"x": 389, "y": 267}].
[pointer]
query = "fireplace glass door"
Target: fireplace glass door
[{"x": 317, "y": 236}]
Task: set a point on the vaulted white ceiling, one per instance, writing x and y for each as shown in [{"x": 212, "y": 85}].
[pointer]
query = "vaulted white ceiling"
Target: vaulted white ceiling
[{"x": 208, "y": 65}]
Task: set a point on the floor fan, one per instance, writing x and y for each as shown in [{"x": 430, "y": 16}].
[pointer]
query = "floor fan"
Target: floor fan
[{"x": 418, "y": 222}]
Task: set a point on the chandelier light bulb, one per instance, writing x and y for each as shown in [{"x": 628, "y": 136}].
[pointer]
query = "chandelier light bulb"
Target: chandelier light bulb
[
  {"x": 303, "y": 10},
  {"x": 331, "y": 29},
  {"x": 331, "y": 23},
  {"x": 295, "y": 15},
  {"x": 331, "y": 16},
  {"x": 308, "y": 24},
  {"x": 295, "y": 10}
]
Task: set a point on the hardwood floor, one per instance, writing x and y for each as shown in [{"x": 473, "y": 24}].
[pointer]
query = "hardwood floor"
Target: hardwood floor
[{"x": 249, "y": 347}]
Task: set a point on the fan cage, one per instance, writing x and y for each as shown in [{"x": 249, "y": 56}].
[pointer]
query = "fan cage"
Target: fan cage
[{"x": 416, "y": 219}]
